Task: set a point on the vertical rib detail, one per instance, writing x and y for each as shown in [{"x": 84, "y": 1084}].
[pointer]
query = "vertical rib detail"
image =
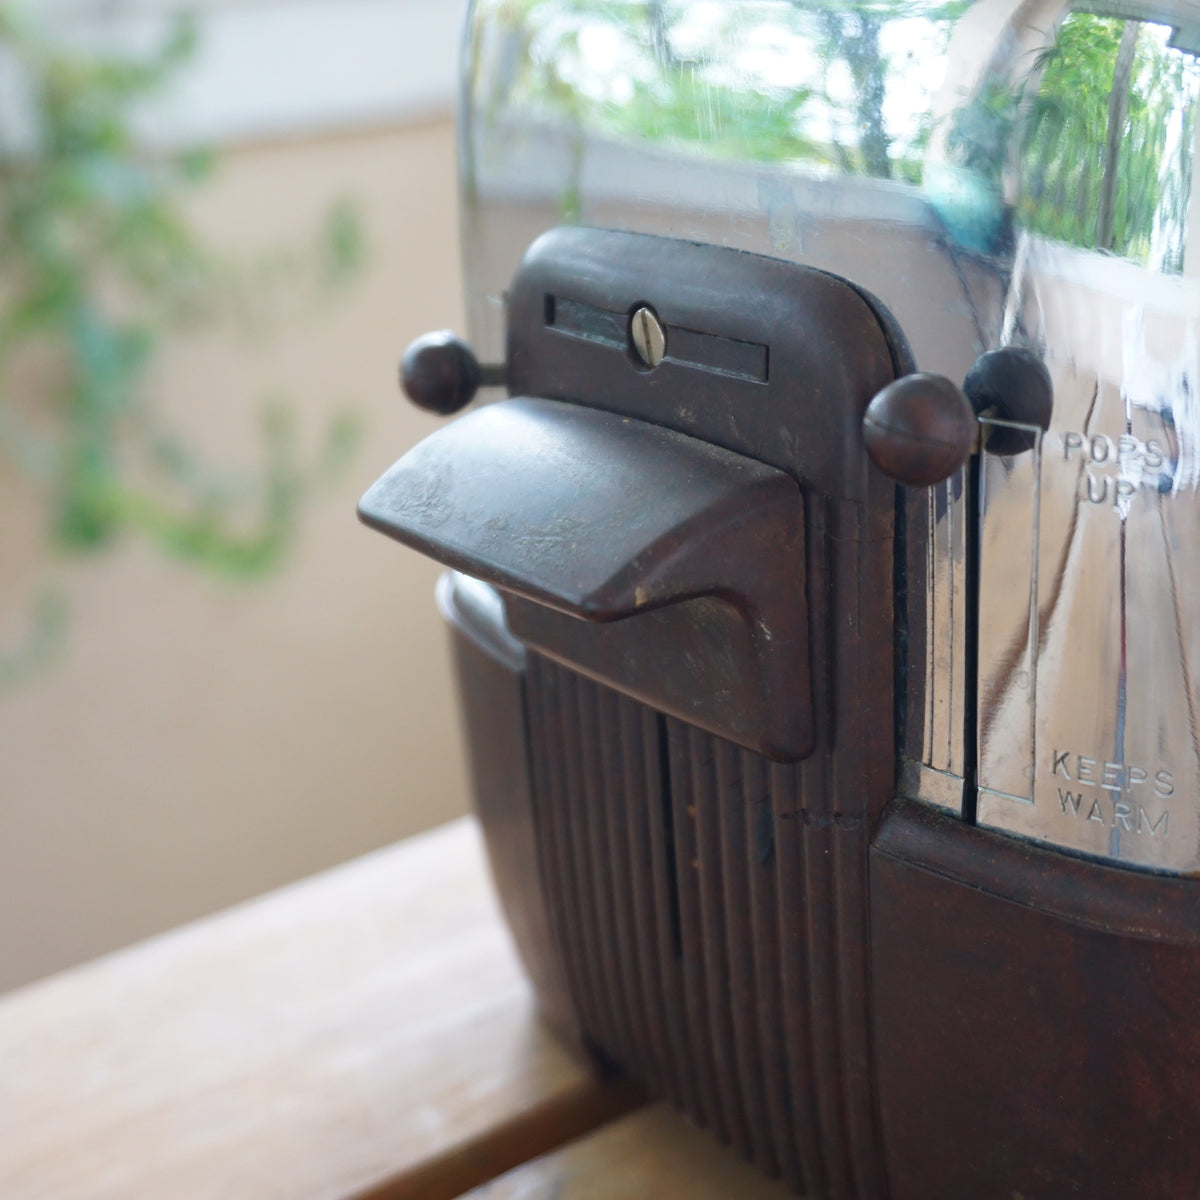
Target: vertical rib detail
[{"x": 711, "y": 909}]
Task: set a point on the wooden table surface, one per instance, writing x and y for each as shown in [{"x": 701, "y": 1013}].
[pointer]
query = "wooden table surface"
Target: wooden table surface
[{"x": 365, "y": 1034}]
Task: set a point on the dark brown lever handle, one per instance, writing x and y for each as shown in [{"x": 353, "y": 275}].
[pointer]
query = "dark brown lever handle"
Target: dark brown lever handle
[
  {"x": 921, "y": 429},
  {"x": 666, "y": 566},
  {"x": 440, "y": 373}
]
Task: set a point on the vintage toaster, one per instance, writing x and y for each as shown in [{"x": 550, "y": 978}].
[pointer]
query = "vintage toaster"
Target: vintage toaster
[{"x": 823, "y": 596}]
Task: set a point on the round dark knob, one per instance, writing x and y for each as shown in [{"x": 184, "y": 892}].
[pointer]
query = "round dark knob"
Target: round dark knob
[
  {"x": 439, "y": 373},
  {"x": 919, "y": 429},
  {"x": 1011, "y": 385}
]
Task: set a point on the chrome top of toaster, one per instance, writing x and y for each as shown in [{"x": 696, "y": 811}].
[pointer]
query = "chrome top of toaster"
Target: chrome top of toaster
[{"x": 996, "y": 173}]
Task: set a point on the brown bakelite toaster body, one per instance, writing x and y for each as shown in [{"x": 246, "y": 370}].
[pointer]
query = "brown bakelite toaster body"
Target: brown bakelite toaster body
[{"x": 684, "y": 602}]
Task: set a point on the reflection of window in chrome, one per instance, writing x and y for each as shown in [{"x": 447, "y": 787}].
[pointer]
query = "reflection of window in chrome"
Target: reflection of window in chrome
[
  {"x": 1107, "y": 138},
  {"x": 846, "y": 88},
  {"x": 1078, "y": 126},
  {"x": 712, "y": 78}
]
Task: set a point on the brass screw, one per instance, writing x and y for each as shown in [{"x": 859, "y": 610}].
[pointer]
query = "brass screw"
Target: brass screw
[{"x": 649, "y": 337}]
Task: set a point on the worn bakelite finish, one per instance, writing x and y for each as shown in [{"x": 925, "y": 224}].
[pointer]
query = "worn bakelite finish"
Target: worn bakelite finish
[
  {"x": 689, "y": 910},
  {"x": 764, "y": 357},
  {"x": 615, "y": 522},
  {"x": 1035, "y": 1019},
  {"x": 875, "y": 1001},
  {"x": 697, "y": 561},
  {"x": 711, "y": 909},
  {"x": 490, "y": 670},
  {"x": 1028, "y": 1027}
]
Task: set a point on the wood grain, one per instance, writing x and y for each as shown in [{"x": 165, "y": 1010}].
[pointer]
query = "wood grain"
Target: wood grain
[
  {"x": 653, "y": 1154},
  {"x": 335, "y": 1038}
]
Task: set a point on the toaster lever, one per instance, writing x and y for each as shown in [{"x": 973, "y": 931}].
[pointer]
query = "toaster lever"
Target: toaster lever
[{"x": 651, "y": 560}]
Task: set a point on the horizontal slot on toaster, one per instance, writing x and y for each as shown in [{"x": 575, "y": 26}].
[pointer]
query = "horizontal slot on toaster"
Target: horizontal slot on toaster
[{"x": 688, "y": 347}]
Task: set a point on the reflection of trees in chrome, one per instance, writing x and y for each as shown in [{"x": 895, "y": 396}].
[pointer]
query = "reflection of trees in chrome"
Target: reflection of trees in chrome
[
  {"x": 647, "y": 71},
  {"x": 770, "y": 81},
  {"x": 843, "y": 85},
  {"x": 1091, "y": 145},
  {"x": 852, "y": 36},
  {"x": 1106, "y": 140}
]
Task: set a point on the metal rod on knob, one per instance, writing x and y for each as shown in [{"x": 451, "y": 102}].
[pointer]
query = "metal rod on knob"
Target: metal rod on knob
[
  {"x": 493, "y": 374},
  {"x": 922, "y": 429}
]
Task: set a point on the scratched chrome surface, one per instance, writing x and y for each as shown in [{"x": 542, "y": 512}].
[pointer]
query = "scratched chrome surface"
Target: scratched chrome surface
[{"x": 998, "y": 173}]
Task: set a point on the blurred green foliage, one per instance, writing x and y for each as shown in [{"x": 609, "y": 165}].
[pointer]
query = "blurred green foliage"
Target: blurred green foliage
[
  {"x": 1068, "y": 158},
  {"x": 98, "y": 265}
]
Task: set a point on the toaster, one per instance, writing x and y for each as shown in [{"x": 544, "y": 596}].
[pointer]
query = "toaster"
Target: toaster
[{"x": 820, "y": 584}]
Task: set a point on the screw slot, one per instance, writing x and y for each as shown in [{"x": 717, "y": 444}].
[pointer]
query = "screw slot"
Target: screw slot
[{"x": 648, "y": 336}]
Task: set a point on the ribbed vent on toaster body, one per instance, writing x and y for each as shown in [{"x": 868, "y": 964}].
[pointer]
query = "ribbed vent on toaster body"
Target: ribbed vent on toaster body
[{"x": 692, "y": 899}]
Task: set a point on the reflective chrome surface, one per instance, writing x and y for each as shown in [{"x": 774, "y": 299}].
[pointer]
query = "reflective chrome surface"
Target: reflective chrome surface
[
  {"x": 1088, "y": 732},
  {"x": 997, "y": 173}
]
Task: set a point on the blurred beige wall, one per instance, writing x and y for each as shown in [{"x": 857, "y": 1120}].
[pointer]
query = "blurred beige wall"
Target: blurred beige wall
[{"x": 200, "y": 741}]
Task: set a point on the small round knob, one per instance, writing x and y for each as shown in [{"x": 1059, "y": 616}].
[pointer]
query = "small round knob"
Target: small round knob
[
  {"x": 439, "y": 373},
  {"x": 1011, "y": 384},
  {"x": 919, "y": 429}
]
